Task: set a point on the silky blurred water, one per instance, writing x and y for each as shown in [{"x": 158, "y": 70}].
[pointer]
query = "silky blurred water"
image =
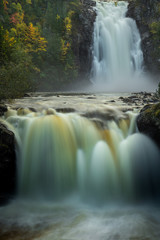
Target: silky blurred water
[{"x": 71, "y": 219}]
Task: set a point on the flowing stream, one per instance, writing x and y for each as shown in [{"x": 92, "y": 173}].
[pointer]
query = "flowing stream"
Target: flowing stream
[
  {"x": 82, "y": 178},
  {"x": 61, "y": 154},
  {"x": 94, "y": 177},
  {"x": 117, "y": 54}
]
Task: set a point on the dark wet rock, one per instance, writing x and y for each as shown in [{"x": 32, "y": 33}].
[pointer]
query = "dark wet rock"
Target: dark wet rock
[
  {"x": 65, "y": 110},
  {"x": 145, "y": 12},
  {"x": 7, "y": 164},
  {"x": 121, "y": 98},
  {"x": 83, "y": 38},
  {"x": 140, "y": 98},
  {"x": 127, "y": 100},
  {"x": 104, "y": 115},
  {"x": 91, "y": 97},
  {"x": 148, "y": 121},
  {"x": 27, "y": 95},
  {"x": 3, "y": 109},
  {"x": 99, "y": 124},
  {"x": 32, "y": 109}
]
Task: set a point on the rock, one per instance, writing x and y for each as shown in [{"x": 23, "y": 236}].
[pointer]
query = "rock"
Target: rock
[
  {"x": 145, "y": 12},
  {"x": 82, "y": 38},
  {"x": 148, "y": 121},
  {"x": 27, "y": 95},
  {"x": 105, "y": 115},
  {"x": 65, "y": 110},
  {"x": 7, "y": 164},
  {"x": 3, "y": 109}
]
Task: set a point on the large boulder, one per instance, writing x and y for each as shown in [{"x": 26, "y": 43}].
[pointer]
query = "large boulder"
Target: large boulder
[
  {"x": 145, "y": 12},
  {"x": 148, "y": 121},
  {"x": 7, "y": 164}
]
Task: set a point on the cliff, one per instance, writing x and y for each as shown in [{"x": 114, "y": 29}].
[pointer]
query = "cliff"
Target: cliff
[
  {"x": 82, "y": 37},
  {"x": 147, "y": 16}
]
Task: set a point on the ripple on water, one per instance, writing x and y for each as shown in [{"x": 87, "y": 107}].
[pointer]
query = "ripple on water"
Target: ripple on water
[{"x": 26, "y": 221}]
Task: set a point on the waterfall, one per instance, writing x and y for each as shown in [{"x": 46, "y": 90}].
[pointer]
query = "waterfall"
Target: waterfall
[
  {"x": 117, "y": 54},
  {"x": 63, "y": 154}
]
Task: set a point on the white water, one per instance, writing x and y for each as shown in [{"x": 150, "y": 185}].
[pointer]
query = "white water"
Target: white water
[
  {"x": 117, "y": 55},
  {"x": 77, "y": 180},
  {"x": 64, "y": 154}
]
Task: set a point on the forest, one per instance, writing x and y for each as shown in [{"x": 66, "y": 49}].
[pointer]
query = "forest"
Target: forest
[{"x": 36, "y": 45}]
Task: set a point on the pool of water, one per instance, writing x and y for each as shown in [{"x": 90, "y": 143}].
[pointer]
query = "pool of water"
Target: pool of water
[{"x": 73, "y": 220}]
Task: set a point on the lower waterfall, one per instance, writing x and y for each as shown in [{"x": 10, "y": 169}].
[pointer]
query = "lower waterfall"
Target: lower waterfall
[
  {"x": 82, "y": 178},
  {"x": 64, "y": 154},
  {"x": 117, "y": 54}
]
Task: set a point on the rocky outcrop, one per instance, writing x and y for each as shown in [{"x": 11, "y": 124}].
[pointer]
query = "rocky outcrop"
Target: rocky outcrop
[
  {"x": 3, "y": 109},
  {"x": 148, "y": 121},
  {"x": 7, "y": 164},
  {"x": 82, "y": 38},
  {"x": 145, "y": 12}
]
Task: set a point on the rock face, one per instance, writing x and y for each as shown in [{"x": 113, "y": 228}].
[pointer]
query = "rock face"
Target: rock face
[
  {"x": 3, "y": 109},
  {"x": 83, "y": 37},
  {"x": 145, "y": 12},
  {"x": 148, "y": 122},
  {"x": 7, "y": 164}
]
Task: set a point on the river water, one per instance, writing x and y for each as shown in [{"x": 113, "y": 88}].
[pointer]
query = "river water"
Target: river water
[
  {"x": 82, "y": 178},
  {"x": 87, "y": 178}
]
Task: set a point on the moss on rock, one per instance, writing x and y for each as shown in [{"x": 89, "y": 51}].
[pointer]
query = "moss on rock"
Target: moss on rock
[{"x": 148, "y": 122}]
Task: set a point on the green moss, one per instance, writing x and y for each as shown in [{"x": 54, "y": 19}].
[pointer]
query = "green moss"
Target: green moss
[
  {"x": 157, "y": 113},
  {"x": 153, "y": 112}
]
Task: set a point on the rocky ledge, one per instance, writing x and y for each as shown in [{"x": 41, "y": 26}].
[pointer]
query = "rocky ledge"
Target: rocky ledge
[
  {"x": 7, "y": 164},
  {"x": 148, "y": 121}
]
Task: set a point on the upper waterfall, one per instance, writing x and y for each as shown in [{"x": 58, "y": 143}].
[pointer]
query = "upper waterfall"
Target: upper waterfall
[{"x": 117, "y": 54}]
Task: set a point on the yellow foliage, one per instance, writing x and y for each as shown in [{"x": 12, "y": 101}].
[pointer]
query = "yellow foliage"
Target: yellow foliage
[
  {"x": 30, "y": 35},
  {"x": 10, "y": 41},
  {"x": 58, "y": 17},
  {"x": 64, "y": 49},
  {"x": 5, "y": 2},
  {"x": 68, "y": 25},
  {"x": 70, "y": 13},
  {"x": 13, "y": 31},
  {"x": 29, "y": 1}
]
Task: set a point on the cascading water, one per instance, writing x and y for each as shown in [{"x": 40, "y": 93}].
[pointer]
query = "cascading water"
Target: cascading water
[
  {"x": 61, "y": 154},
  {"x": 66, "y": 162},
  {"x": 117, "y": 54},
  {"x": 69, "y": 165}
]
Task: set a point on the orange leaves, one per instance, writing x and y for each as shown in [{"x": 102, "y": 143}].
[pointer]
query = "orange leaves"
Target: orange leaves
[
  {"x": 29, "y": 36},
  {"x": 5, "y": 2},
  {"x": 33, "y": 41},
  {"x": 14, "y": 18}
]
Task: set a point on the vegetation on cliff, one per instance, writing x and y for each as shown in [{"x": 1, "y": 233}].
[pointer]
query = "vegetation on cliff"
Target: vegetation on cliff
[{"x": 148, "y": 121}]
